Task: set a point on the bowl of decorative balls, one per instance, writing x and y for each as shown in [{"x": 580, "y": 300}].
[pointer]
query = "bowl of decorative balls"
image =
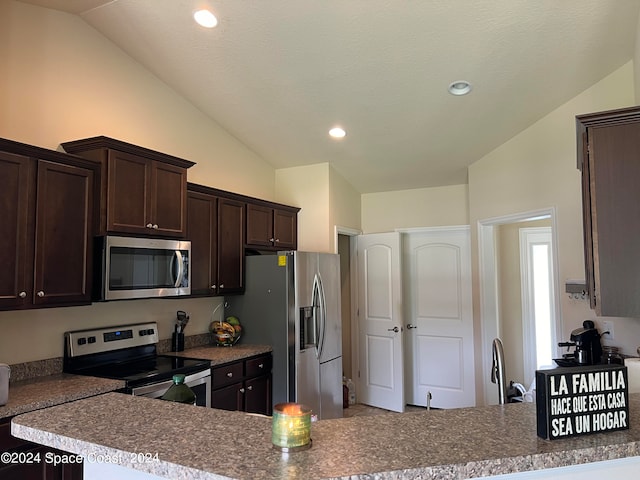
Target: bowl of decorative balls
[{"x": 227, "y": 333}]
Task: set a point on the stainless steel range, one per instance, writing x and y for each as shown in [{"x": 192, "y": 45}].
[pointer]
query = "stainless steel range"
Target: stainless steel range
[{"x": 129, "y": 353}]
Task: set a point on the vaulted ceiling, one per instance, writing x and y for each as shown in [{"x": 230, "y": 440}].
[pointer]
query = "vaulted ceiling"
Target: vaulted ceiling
[{"x": 278, "y": 74}]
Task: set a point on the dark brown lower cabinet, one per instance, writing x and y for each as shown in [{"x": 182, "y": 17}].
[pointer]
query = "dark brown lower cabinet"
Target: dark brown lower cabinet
[
  {"x": 30, "y": 461},
  {"x": 244, "y": 385}
]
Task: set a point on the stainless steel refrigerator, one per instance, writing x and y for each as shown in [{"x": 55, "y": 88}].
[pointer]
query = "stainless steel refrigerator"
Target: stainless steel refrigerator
[{"x": 292, "y": 302}]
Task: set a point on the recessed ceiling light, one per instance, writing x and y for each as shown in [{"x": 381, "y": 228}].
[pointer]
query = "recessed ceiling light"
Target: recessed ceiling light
[
  {"x": 459, "y": 87},
  {"x": 205, "y": 18},
  {"x": 337, "y": 132}
]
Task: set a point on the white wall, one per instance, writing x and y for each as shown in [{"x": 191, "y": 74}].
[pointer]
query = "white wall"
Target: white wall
[
  {"x": 326, "y": 200},
  {"x": 344, "y": 206},
  {"x": 537, "y": 169},
  {"x": 421, "y": 207},
  {"x": 62, "y": 80},
  {"x": 307, "y": 187}
]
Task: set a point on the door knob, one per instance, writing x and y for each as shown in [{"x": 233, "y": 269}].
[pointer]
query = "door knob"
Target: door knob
[
  {"x": 394, "y": 329},
  {"x": 40, "y": 294},
  {"x": 22, "y": 294},
  {"x": 410, "y": 326}
]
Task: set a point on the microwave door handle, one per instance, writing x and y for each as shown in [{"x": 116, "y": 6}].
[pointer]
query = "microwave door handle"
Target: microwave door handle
[{"x": 180, "y": 273}]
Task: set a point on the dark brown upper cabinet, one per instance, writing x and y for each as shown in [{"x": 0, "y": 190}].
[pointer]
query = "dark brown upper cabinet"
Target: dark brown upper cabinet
[
  {"x": 143, "y": 192},
  {"x": 215, "y": 227},
  {"x": 47, "y": 207},
  {"x": 272, "y": 227},
  {"x": 609, "y": 158}
]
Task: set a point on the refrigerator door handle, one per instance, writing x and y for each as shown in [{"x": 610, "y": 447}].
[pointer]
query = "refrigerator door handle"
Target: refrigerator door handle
[
  {"x": 322, "y": 310},
  {"x": 318, "y": 315}
]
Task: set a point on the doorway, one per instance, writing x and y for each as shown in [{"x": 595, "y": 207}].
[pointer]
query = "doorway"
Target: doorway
[
  {"x": 538, "y": 316},
  {"x": 345, "y": 246},
  {"x": 506, "y": 299}
]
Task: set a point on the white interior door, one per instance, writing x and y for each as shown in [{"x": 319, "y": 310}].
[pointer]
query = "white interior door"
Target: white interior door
[
  {"x": 380, "y": 370},
  {"x": 439, "y": 328}
]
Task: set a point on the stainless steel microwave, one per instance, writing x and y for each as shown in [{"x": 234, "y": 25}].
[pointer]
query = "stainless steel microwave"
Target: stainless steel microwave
[{"x": 131, "y": 267}]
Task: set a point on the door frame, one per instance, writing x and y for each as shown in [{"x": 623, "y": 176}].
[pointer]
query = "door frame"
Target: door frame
[{"x": 488, "y": 286}]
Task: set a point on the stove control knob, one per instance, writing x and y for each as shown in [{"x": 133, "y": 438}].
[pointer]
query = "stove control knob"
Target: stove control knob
[
  {"x": 150, "y": 331},
  {"x": 92, "y": 339},
  {"x": 82, "y": 341},
  {"x": 142, "y": 333}
]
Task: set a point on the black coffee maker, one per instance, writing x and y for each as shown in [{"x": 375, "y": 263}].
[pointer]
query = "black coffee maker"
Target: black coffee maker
[{"x": 588, "y": 349}]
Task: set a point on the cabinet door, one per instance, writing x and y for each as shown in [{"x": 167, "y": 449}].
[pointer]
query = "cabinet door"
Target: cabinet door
[
  {"x": 128, "y": 195},
  {"x": 202, "y": 231},
  {"x": 39, "y": 469},
  {"x": 63, "y": 237},
  {"x": 230, "y": 246},
  {"x": 285, "y": 229},
  {"x": 259, "y": 225},
  {"x": 228, "y": 398},
  {"x": 614, "y": 175},
  {"x": 16, "y": 241},
  {"x": 257, "y": 395},
  {"x": 168, "y": 205}
]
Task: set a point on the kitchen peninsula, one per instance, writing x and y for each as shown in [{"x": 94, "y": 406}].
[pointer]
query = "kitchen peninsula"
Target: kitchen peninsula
[{"x": 181, "y": 441}]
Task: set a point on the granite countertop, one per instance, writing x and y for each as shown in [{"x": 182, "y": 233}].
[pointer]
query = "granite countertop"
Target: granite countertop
[
  {"x": 40, "y": 392},
  {"x": 222, "y": 355},
  {"x": 28, "y": 394},
  {"x": 198, "y": 443}
]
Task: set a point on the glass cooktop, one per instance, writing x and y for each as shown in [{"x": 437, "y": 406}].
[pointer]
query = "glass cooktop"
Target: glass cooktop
[{"x": 148, "y": 370}]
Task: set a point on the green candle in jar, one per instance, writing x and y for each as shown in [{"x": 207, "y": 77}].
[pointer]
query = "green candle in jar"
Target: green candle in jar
[{"x": 291, "y": 427}]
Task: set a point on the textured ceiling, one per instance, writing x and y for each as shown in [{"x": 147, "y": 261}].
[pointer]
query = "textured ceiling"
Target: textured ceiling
[{"x": 277, "y": 74}]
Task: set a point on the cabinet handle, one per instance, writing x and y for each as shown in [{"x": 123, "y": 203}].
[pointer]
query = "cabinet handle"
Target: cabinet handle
[
  {"x": 242, "y": 390},
  {"x": 213, "y": 287},
  {"x": 155, "y": 226},
  {"x": 250, "y": 387},
  {"x": 277, "y": 240},
  {"x": 22, "y": 294},
  {"x": 272, "y": 240},
  {"x": 222, "y": 285},
  {"x": 149, "y": 225},
  {"x": 230, "y": 374},
  {"x": 261, "y": 365},
  {"x": 40, "y": 294}
]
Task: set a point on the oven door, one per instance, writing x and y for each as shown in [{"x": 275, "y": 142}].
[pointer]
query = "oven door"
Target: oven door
[{"x": 199, "y": 382}]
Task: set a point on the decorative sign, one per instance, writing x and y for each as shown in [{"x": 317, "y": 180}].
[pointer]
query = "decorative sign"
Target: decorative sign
[{"x": 581, "y": 400}]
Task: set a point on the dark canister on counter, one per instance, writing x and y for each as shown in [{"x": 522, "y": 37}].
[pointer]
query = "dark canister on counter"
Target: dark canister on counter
[
  {"x": 611, "y": 355},
  {"x": 179, "y": 391}
]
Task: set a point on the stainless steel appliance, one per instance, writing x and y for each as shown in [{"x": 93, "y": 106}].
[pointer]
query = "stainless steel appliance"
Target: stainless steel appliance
[
  {"x": 5, "y": 373},
  {"x": 129, "y": 353},
  {"x": 292, "y": 302},
  {"x": 498, "y": 375},
  {"x": 588, "y": 348},
  {"x": 130, "y": 267}
]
